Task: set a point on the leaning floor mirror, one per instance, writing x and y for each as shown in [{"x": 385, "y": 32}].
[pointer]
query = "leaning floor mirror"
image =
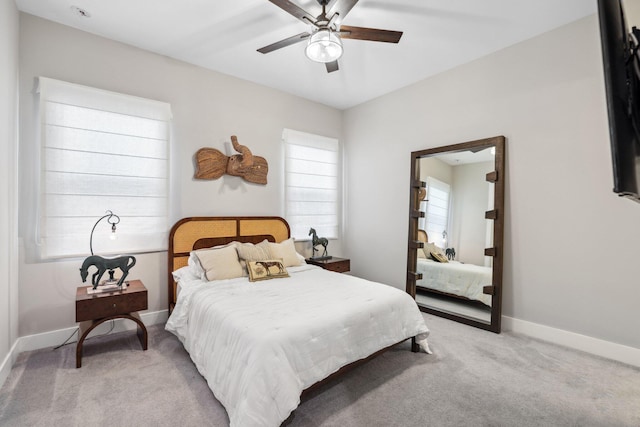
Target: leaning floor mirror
[{"x": 456, "y": 221}]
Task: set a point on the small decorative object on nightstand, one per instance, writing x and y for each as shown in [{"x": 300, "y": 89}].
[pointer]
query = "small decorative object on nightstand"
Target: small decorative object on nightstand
[
  {"x": 451, "y": 253},
  {"x": 124, "y": 263},
  {"x": 316, "y": 241},
  {"x": 95, "y": 309},
  {"x": 339, "y": 265}
]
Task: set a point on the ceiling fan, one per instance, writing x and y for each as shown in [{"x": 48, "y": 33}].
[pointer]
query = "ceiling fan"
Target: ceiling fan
[{"x": 325, "y": 39}]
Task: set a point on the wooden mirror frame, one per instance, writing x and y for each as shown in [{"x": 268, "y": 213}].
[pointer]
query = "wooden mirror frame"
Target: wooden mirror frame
[{"x": 496, "y": 214}]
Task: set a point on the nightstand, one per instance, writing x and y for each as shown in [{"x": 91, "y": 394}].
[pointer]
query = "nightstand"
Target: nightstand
[
  {"x": 339, "y": 265},
  {"x": 95, "y": 309}
]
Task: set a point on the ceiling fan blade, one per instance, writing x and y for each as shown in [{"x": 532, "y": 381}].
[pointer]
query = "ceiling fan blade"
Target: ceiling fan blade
[
  {"x": 372, "y": 34},
  {"x": 332, "y": 66},
  {"x": 294, "y": 10},
  {"x": 342, "y": 8},
  {"x": 284, "y": 43}
]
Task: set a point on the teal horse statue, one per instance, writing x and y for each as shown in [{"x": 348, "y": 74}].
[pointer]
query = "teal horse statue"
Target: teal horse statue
[
  {"x": 124, "y": 263},
  {"x": 315, "y": 241}
]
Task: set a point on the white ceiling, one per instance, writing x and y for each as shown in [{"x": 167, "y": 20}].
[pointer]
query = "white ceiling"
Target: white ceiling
[
  {"x": 466, "y": 157},
  {"x": 224, "y": 35}
]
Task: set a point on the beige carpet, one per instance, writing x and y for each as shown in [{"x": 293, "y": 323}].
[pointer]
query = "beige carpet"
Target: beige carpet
[{"x": 474, "y": 378}]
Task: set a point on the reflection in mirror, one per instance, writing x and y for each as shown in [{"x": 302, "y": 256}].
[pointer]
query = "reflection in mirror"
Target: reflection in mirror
[{"x": 454, "y": 271}]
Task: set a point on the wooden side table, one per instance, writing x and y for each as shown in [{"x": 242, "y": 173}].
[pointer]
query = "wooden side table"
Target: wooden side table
[
  {"x": 95, "y": 309},
  {"x": 339, "y": 265}
]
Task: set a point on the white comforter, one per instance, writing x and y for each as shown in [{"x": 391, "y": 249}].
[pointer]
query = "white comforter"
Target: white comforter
[
  {"x": 456, "y": 278},
  {"x": 260, "y": 344}
]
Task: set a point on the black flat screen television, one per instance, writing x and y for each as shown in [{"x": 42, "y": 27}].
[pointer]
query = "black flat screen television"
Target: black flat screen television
[{"x": 622, "y": 83}]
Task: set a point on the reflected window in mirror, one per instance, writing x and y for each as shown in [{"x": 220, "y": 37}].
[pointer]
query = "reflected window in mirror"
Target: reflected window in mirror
[{"x": 436, "y": 208}]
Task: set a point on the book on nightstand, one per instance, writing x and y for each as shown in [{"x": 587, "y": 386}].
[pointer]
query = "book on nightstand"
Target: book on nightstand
[{"x": 107, "y": 287}]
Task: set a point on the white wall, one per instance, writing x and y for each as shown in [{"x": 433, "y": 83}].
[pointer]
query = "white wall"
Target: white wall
[
  {"x": 208, "y": 108},
  {"x": 470, "y": 192},
  {"x": 9, "y": 23},
  {"x": 436, "y": 168},
  {"x": 571, "y": 244}
]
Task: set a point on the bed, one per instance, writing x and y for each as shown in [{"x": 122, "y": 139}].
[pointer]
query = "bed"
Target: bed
[
  {"x": 453, "y": 278},
  {"x": 260, "y": 345}
]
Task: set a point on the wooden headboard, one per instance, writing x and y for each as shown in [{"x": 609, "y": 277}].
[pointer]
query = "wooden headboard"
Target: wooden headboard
[{"x": 204, "y": 232}]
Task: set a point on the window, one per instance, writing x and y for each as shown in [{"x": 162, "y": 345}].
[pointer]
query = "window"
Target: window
[
  {"x": 436, "y": 209},
  {"x": 312, "y": 181},
  {"x": 101, "y": 151}
]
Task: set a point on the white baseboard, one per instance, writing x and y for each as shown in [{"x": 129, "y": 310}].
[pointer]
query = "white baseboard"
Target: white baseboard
[
  {"x": 598, "y": 347},
  {"x": 57, "y": 337},
  {"x": 8, "y": 362}
]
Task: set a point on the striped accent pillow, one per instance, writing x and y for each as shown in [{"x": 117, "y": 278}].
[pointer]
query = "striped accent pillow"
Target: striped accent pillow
[{"x": 251, "y": 252}]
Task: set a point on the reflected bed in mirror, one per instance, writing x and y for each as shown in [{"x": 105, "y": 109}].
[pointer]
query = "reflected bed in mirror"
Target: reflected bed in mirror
[
  {"x": 455, "y": 231},
  {"x": 443, "y": 280}
]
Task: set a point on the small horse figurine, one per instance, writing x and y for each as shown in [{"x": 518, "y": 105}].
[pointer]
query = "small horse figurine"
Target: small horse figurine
[
  {"x": 315, "y": 241},
  {"x": 451, "y": 253},
  {"x": 104, "y": 264}
]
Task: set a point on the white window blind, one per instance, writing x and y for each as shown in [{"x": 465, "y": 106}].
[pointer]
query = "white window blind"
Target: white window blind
[
  {"x": 436, "y": 210},
  {"x": 312, "y": 182},
  {"x": 101, "y": 151}
]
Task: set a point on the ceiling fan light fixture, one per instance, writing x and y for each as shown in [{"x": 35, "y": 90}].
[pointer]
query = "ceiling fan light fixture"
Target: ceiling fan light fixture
[{"x": 324, "y": 45}]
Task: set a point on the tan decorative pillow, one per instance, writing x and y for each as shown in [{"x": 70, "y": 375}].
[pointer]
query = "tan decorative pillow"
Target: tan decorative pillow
[
  {"x": 439, "y": 257},
  {"x": 430, "y": 248},
  {"x": 220, "y": 262},
  {"x": 251, "y": 252},
  {"x": 266, "y": 269},
  {"x": 285, "y": 251}
]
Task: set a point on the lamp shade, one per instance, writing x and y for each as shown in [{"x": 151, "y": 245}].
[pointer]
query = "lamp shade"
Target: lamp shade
[{"x": 324, "y": 46}]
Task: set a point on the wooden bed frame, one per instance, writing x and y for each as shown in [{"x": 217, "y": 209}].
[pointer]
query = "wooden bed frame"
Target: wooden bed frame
[
  {"x": 201, "y": 232},
  {"x": 193, "y": 233}
]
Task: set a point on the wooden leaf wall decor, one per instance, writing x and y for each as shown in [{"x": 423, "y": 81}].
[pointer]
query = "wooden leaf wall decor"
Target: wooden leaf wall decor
[{"x": 212, "y": 164}]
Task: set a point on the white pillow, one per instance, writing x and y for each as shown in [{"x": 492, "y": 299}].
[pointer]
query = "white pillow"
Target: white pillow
[
  {"x": 220, "y": 262},
  {"x": 421, "y": 253},
  {"x": 186, "y": 273},
  {"x": 286, "y": 251},
  {"x": 196, "y": 268}
]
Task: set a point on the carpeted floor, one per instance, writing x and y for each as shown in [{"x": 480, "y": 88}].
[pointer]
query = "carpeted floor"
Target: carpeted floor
[{"x": 474, "y": 378}]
